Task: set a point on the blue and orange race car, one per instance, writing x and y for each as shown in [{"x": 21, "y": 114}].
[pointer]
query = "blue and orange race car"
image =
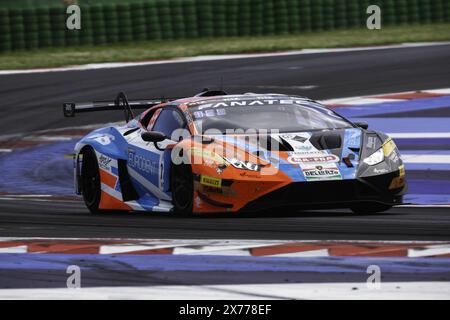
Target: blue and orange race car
[{"x": 227, "y": 153}]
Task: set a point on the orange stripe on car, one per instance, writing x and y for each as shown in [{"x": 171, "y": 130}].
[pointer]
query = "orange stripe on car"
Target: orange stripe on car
[
  {"x": 108, "y": 179},
  {"x": 108, "y": 202}
]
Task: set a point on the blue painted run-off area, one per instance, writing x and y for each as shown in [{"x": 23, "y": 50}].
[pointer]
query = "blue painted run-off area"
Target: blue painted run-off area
[{"x": 221, "y": 263}]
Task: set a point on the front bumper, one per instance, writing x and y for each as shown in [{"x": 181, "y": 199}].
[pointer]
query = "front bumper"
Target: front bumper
[{"x": 332, "y": 194}]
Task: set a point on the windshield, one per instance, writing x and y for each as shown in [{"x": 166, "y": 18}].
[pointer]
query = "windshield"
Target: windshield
[{"x": 282, "y": 117}]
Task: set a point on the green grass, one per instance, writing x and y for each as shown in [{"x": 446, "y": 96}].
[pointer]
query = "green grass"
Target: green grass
[{"x": 152, "y": 50}]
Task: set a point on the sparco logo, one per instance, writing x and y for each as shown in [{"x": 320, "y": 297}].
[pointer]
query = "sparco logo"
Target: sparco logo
[
  {"x": 104, "y": 162},
  {"x": 313, "y": 159},
  {"x": 141, "y": 163}
]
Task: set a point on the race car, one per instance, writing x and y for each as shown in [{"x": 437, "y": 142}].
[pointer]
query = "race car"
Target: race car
[{"x": 215, "y": 152}]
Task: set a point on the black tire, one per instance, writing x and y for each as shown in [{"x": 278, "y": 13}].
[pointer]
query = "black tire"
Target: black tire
[
  {"x": 90, "y": 181},
  {"x": 370, "y": 208},
  {"x": 182, "y": 187}
]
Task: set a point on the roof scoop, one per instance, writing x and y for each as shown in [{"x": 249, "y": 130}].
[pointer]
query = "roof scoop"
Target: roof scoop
[{"x": 211, "y": 93}]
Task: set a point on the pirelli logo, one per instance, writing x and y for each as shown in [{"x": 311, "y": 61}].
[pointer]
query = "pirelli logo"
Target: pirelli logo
[{"x": 211, "y": 182}]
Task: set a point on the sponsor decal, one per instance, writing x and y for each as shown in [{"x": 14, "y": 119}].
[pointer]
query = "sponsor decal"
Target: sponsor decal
[
  {"x": 103, "y": 139},
  {"x": 188, "y": 116},
  {"x": 371, "y": 142},
  {"x": 307, "y": 153},
  {"x": 211, "y": 181},
  {"x": 318, "y": 158},
  {"x": 354, "y": 141},
  {"x": 401, "y": 171},
  {"x": 205, "y": 155},
  {"x": 208, "y": 189},
  {"x": 397, "y": 182},
  {"x": 161, "y": 176},
  {"x": 380, "y": 171},
  {"x": 245, "y": 165},
  {"x": 388, "y": 147},
  {"x": 321, "y": 173},
  {"x": 209, "y": 113},
  {"x": 257, "y": 101},
  {"x": 104, "y": 162},
  {"x": 294, "y": 137},
  {"x": 250, "y": 175},
  {"x": 394, "y": 157},
  {"x": 303, "y": 148},
  {"x": 198, "y": 202},
  {"x": 142, "y": 163},
  {"x": 220, "y": 168},
  {"x": 298, "y": 142}
]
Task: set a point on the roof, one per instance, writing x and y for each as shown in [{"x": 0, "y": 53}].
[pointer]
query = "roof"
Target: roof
[{"x": 198, "y": 100}]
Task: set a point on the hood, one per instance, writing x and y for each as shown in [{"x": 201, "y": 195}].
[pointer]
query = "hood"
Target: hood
[{"x": 304, "y": 156}]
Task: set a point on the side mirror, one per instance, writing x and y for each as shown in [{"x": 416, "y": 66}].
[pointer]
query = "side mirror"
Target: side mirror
[
  {"x": 153, "y": 136},
  {"x": 362, "y": 125}
]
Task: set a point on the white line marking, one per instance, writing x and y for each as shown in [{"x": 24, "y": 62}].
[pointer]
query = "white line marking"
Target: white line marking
[
  {"x": 24, "y": 135},
  {"x": 343, "y": 100},
  {"x": 37, "y": 200},
  {"x": 304, "y": 87},
  {"x": 426, "y": 158},
  {"x": 6, "y": 150},
  {"x": 16, "y": 249},
  {"x": 440, "y": 91},
  {"x": 429, "y": 251},
  {"x": 424, "y": 205},
  {"x": 439, "y": 290},
  {"x": 30, "y": 195},
  {"x": 123, "y": 248},
  {"x": 424, "y": 135},
  {"x": 220, "y": 250},
  {"x": 223, "y": 242},
  {"x": 302, "y": 254},
  {"x": 96, "y": 66},
  {"x": 51, "y": 138},
  {"x": 360, "y": 101}
]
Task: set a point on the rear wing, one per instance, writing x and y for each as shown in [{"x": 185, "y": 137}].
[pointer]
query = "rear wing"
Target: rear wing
[{"x": 120, "y": 103}]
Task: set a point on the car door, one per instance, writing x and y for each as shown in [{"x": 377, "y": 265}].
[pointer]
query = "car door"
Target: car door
[{"x": 148, "y": 162}]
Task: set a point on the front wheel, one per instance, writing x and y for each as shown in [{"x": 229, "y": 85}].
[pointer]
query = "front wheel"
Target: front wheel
[
  {"x": 90, "y": 181},
  {"x": 182, "y": 187},
  {"x": 370, "y": 208}
]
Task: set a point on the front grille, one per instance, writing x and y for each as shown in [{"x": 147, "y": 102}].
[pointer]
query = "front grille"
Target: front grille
[
  {"x": 323, "y": 193},
  {"x": 313, "y": 191}
]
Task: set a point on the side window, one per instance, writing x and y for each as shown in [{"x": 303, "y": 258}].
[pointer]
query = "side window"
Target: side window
[
  {"x": 168, "y": 121},
  {"x": 152, "y": 118},
  {"x": 146, "y": 119}
]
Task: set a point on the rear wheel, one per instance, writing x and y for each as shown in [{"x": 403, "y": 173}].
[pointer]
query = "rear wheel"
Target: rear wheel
[
  {"x": 90, "y": 181},
  {"x": 182, "y": 186},
  {"x": 370, "y": 208}
]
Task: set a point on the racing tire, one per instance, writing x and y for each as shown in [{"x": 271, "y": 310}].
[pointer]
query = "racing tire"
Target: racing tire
[
  {"x": 370, "y": 208},
  {"x": 90, "y": 181},
  {"x": 182, "y": 187}
]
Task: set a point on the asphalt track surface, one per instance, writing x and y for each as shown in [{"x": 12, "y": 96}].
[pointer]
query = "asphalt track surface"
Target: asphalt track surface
[
  {"x": 72, "y": 220},
  {"x": 32, "y": 102}
]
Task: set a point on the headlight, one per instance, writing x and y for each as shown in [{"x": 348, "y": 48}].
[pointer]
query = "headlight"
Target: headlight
[
  {"x": 375, "y": 158},
  {"x": 244, "y": 165}
]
